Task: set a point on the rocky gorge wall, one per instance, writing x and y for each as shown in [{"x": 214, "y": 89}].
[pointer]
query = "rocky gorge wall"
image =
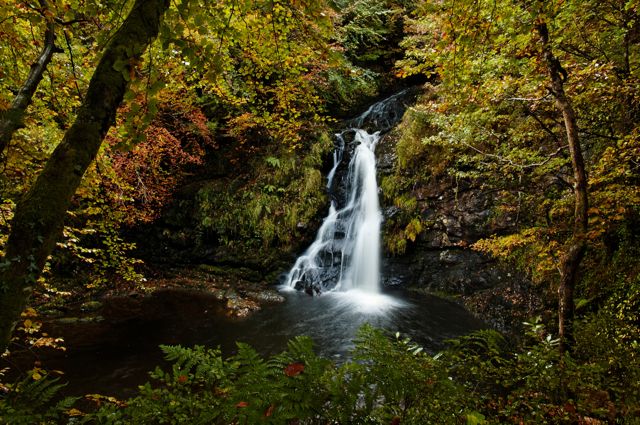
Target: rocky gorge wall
[{"x": 455, "y": 213}]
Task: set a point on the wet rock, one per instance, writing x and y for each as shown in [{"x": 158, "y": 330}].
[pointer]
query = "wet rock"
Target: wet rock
[
  {"x": 241, "y": 307},
  {"x": 66, "y": 320},
  {"x": 266, "y": 296},
  {"x": 452, "y": 226},
  {"x": 450, "y": 257},
  {"x": 391, "y": 281},
  {"x": 456, "y": 213},
  {"x": 90, "y": 306},
  {"x": 51, "y": 313},
  {"x": 218, "y": 293},
  {"x": 391, "y": 211},
  {"x": 506, "y": 306}
]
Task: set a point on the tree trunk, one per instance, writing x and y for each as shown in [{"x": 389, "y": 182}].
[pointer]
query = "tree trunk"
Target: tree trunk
[
  {"x": 577, "y": 245},
  {"x": 39, "y": 215},
  {"x": 11, "y": 119}
]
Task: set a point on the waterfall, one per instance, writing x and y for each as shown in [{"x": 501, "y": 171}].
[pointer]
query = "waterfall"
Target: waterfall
[
  {"x": 346, "y": 252},
  {"x": 360, "y": 265}
]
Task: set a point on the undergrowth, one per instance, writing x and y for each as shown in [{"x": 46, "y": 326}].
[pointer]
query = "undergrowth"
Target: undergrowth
[{"x": 480, "y": 379}]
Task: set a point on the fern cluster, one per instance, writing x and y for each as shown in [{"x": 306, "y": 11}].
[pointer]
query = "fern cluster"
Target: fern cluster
[
  {"x": 390, "y": 379},
  {"x": 33, "y": 401},
  {"x": 480, "y": 379}
]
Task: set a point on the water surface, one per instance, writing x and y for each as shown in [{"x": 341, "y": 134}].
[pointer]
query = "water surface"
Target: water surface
[{"x": 122, "y": 355}]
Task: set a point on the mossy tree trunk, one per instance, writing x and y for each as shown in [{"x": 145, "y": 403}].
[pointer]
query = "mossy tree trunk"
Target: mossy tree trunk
[
  {"x": 577, "y": 245},
  {"x": 11, "y": 119},
  {"x": 39, "y": 215}
]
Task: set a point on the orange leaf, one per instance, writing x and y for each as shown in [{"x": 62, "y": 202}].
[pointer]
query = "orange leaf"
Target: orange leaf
[
  {"x": 242, "y": 404},
  {"x": 294, "y": 369}
]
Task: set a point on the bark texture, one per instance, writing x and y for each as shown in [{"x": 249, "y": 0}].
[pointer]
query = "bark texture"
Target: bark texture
[
  {"x": 39, "y": 216},
  {"x": 577, "y": 245},
  {"x": 11, "y": 119}
]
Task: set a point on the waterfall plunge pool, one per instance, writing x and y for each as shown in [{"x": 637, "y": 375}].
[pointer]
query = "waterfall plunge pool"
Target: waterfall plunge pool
[{"x": 113, "y": 357}]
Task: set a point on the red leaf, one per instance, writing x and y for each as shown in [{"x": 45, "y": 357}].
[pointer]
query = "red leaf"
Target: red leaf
[
  {"x": 294, "y": 369},
  {"x": 269, "y": 411},
  {"x": 182, "y": 379},
  {"x": 242, "y": 404}
]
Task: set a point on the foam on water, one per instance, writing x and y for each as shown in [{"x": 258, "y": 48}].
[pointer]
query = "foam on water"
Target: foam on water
[{"x": 365, "y": 302}]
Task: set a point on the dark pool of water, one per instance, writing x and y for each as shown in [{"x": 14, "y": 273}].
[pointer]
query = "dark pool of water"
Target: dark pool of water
[{"x": 122, "y": 354}]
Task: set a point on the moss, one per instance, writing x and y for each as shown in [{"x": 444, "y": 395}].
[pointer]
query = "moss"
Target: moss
[{"x": 267, "y": 205}]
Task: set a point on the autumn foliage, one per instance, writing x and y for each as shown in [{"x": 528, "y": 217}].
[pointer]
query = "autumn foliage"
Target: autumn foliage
[{"x": 141, "y": 181}]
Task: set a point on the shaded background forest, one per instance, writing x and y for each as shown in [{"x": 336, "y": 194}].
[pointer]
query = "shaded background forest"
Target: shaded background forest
[{"x": 214, "y": 170}]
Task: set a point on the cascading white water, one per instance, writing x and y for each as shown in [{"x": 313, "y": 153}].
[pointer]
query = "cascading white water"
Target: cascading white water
[
  {"x": 345, "y": 255},
  {"x": 346, "y": 252},
  {"x": 362, "y": 218}
]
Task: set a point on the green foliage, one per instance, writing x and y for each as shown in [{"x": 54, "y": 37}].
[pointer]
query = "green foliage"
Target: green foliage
[
  {"x": 524, "y": 384},
  {"x": 413, "y": 385},
  {"x": 257, "y": 64},
  {"x": 202, "y": 388},
  {"x": 417, "y": 165},
  {"x": 30, "y": 401},
  {"x": 347, "y": 86},
  {"x": 92, "y": 246},
  {"x": 269, "y": 201},
  {"x": 390, "y": 379},
  {"x": 482, "y": 378},
  {"x": 366, "y": 28},
  {"x": 492, "y": 123}
]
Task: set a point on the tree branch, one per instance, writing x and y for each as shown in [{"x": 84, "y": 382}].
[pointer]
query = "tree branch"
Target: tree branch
[
  {"x": 515, "y": 164},
  {"x": 11, "y": 119},
  {"x": 39, "y": 216}
]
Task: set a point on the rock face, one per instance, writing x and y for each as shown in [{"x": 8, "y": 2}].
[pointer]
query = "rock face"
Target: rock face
[{"x": 457, "y": 214}]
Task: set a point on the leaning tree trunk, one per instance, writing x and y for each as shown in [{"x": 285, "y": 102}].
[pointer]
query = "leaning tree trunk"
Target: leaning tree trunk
[
  {"x": 577, "y": 245},
  {"x": 11, "y": 119},
  {"x": 39, "y": 216}
]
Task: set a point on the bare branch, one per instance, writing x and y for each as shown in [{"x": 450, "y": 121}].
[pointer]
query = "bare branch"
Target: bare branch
[
  {"x": 513, "y": 163},
  {"x": 531, "y": 99}
]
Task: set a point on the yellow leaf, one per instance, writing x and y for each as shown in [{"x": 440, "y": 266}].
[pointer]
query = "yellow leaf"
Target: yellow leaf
[
  {"x": 29, "y": 312},
  {"x": 74, "y": 412}
]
